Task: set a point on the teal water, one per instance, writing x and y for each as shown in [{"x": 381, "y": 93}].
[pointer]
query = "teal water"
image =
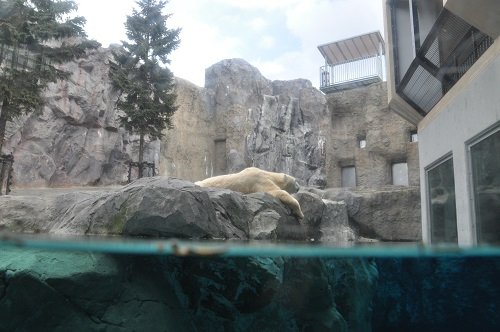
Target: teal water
[
  {"x": 60, "y": 283},
  {"x": 116, "y": 245}
]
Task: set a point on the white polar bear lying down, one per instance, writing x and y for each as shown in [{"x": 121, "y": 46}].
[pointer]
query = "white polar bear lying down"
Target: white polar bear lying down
[{"x": 252, "y": 180}]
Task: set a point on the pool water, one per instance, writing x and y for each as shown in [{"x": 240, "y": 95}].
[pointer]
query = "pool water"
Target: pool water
[{"x": 115, "y": 284}]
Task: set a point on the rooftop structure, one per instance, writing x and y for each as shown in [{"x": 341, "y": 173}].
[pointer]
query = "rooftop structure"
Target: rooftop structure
[{"x": 352, "y": 62}]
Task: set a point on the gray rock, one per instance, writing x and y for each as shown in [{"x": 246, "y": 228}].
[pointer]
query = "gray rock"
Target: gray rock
[
  {"x": 153, "y": 207},
  {"x": 76, "y": 139},
  {"x": 334, "y": 227},
  {"x": 83, "y": 291},
  {"x": 388, "y": 214}
]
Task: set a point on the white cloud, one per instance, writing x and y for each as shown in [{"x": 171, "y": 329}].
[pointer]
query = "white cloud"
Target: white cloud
[
  {"x": 258, "y": 24},
  {"x": 318, "y": 22},
  {"x": 267, "y": 42},
  {"x": 260, "y": 4},
  {"x": 202, "y": 43},
  {"x": 321, "y": 21},
  {"x": 205, "y": 39},
  {"x": 105, "y": 19}
]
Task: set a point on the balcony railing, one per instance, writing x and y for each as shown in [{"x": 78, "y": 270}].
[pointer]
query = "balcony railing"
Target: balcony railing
[
  {"x": 450, "y": 49},
  {"x": 351, "y": 74}
]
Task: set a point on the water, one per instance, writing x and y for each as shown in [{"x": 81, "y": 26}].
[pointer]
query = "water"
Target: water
[{"x": 114, "y": 284}]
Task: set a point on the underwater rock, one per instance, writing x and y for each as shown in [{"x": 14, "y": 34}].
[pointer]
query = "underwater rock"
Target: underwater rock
[
  {"x": 80, "y": 291},
  {"x": 171, "y": 208},
  {"x": 101, "y": 292}
]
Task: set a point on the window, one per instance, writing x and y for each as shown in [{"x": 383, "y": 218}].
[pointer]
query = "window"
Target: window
[
  {"x": 400, "y": 174},
  {"x": 413, "y": 136},
  {"x": 442, "y": 208},
  {"x": 362, "y": 143},
  {"x": 485, "y": 167},
  {"x": 348, "y": 176}
]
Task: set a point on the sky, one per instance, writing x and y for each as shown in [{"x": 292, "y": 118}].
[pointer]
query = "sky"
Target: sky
[{"x": 279, "y": 37}]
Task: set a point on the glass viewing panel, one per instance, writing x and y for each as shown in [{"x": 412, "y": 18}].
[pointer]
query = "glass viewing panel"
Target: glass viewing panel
[
  {"x": 443, "y": 217},
  {"x": 485, "y": 162}
]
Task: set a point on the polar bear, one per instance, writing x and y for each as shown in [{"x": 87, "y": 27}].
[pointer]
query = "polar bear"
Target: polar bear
[{"x": 253, "y": 179}]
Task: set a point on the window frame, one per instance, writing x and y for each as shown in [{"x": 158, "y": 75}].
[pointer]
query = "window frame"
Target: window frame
[
  {"x": 469, "y": 144},
  {"x": 438, "y": 162}
]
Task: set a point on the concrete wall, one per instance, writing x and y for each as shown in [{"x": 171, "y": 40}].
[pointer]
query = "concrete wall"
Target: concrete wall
[
  {"x": 364, "y": 113},
  {"x": 469, "y": 108}
]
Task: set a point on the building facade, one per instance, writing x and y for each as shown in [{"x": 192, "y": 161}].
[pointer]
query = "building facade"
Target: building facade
[{"x": 444, "y": 76}]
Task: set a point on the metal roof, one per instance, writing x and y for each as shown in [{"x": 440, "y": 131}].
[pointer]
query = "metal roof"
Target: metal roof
[{"x": 352, "y": 49}]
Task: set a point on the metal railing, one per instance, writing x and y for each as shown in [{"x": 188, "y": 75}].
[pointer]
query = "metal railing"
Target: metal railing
[
  {"x": 141, "y": 167},
  {"x": 365, "y": 70},
  {"x": 450, "y": 49}
]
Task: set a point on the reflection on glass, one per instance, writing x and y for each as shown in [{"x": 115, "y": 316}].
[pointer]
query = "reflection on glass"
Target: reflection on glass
[
  {"x": 485, "y": 160},
  {"x": 443, "y": 216}
]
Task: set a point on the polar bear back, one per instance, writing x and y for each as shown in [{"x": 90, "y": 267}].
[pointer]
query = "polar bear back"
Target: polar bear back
[{"x": 251, "y": 180}]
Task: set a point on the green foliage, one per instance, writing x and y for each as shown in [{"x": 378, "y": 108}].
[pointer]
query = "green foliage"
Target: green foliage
[
  {"x": 35, "y": 36},
  {"x": 147, "y": 99}
]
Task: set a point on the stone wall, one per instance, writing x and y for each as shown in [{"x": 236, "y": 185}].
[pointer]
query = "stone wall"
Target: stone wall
[
  {"x": 363, "y": 113},
  {"x": 238, "y": 119}
]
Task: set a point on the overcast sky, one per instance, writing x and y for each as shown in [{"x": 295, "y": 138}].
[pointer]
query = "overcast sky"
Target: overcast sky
[{"x": 279, "y": 37}]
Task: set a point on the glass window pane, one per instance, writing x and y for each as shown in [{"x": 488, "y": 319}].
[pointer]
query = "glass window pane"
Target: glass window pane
[
  {"x": 443, "y": 216},
  {"x": 349, "y": 176},
  {"x": 400, "y": 174},
  {"x": 485, "y": 160}
]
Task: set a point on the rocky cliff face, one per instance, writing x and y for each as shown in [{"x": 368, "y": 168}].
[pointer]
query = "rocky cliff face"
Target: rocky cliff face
[
  {"x": 242, "y": 119},
  {"x": 239, "y": 119},
  {"x": 76, "y": 138}
]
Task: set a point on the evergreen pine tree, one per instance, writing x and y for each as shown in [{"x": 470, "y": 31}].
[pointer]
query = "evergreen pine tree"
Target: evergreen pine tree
[
  {"x": 147, "y": 98},
  {"x": 35, "y": 35}
]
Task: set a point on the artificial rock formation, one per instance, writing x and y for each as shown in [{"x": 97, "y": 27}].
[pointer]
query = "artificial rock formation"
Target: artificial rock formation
[
  {"x": 239, "y": 119},
  {"x": 242, "y": 119},
  {"x": 171, "y": 208}
]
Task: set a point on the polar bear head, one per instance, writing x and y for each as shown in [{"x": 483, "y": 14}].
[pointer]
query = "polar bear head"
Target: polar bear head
[{"x": 290, "y": 185}]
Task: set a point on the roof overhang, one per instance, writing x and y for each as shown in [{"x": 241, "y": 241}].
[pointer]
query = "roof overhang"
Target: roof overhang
[{"x": 352, "y": 49}]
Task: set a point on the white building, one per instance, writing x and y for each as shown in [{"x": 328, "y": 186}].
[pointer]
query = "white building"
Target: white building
[{"x": 444, "y": 76}]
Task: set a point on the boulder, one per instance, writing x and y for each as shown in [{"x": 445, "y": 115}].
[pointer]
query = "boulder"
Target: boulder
[
  {"x": 386, "y": 214},
  {"x": 172, "y": 208}
]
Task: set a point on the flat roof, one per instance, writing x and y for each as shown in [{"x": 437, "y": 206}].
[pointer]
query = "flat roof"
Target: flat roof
[{"x": 352, "y": 49}]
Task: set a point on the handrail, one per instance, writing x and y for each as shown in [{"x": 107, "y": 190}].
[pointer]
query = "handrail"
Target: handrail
[{"x": 354, "y": 71}]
